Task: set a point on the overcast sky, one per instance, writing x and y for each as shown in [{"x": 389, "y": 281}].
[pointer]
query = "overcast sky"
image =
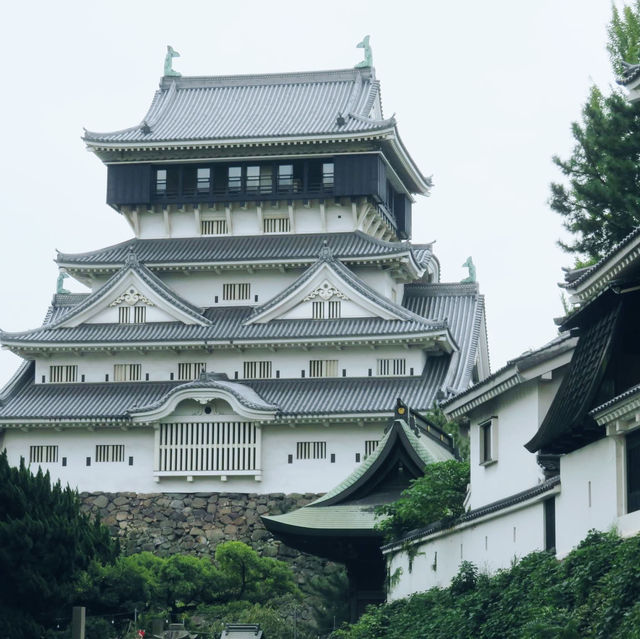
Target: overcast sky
[{"x": 484, "y": 94}]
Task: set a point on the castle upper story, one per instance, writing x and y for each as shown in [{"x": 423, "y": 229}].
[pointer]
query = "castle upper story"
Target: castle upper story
[{"x": 263, "y": 154}]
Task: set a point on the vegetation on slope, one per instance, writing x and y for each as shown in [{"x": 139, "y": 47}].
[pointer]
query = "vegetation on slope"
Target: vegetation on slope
[{"x": 594, "y": 593}]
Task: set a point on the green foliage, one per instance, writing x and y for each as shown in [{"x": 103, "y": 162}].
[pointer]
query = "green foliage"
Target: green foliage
[
  {"x": 45, "y": 543},
  {"x": 438, "y": 495},
  {"x": 594, "y": 593},
  {"x": 451, "y": 427},
  {"x": 328, "y": 596},
  {"x": 599, "y": 201}
]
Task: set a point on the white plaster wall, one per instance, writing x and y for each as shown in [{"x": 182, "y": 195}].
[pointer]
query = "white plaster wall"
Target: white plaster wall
[
  {"x": 491, "y": 544},
  {"x": 589, "y": 493},
  {"x": 290, "y": 362},
  {"x": 515, "y": 468},
  {"x": 380, "y": 281},
  {"x": 278, "y": 441},
  {"x": 245, "y": 220},
  {"x": 111, "y": 315}
]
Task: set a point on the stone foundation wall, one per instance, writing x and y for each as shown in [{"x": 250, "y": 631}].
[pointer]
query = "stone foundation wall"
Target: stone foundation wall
[{"x": 195, "y": 523}]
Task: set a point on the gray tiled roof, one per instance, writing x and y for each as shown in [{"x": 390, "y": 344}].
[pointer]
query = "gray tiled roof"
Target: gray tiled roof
[
  {"x": 294, "y": 397},
  {"x": 462, "y": 307},
  {"x": 256, "y": 106},
  {"x": 241, "y": 249},
  {"x": 226, "y": 324}
]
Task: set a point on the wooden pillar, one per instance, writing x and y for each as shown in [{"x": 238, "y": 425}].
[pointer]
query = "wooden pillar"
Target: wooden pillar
[{"x": 78, "y": 622}]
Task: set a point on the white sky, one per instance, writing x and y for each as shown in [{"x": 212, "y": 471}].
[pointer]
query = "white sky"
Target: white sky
[{"x": 484, "y": 93}]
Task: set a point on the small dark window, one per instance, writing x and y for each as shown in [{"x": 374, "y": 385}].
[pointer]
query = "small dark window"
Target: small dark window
[
  {"x": 485, "y": 442},
  {"x": 106, "y": 377},
  {"x": 215, "y": 299},
  {"x": 82, "y": 378},
  {"x": 207, "y": 410},
  {"x": 289, "y": 459},
  {"x": 549, "y": 524},
  {"x": 146, "y": 377},
  {"x": 344, "y": 372},
  {"x": 64, "y": 461},
  {"x": 43, "y": 378},
  {"x": 130, "y": 461},
  {"x": 234, "y": 179},
  {"x": 171, "y": 376},
  {"x": 333, "y": 458},
  {"x": 255, "y": 298},
  {"x": 633, "y": 471},
  {"x": 302, "y": 373},
  {"x": 358, "y": 458},
  {"x": 88, "y": 462}
]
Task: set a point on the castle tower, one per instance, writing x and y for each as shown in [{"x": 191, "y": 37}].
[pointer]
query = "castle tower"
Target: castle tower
[{"x": 256, "y": 331}]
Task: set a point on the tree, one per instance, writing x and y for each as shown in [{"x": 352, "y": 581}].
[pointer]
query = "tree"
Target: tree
[
  {"x": 45, "y": 544},
  {"x": 438, "y": 495},
  {"x": 600, "y": 200}
]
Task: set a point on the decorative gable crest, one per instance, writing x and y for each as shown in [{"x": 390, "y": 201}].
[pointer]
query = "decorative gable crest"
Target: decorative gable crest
[
  {"x": 325, "y": 291},
  {"x": 131, "y": 297}
]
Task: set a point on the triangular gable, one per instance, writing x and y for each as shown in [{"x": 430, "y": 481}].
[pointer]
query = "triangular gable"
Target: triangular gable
[
  {"x": 133, "y": 285},
  {"x": 329, "y": 280}
]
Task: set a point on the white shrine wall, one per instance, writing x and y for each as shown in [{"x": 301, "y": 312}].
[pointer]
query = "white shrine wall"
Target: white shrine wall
[{"x": 278, "y": 442}]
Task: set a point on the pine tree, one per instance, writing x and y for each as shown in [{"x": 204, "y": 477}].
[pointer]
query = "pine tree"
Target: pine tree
[
  {"x": 45, "y": 542},
  {"x": 600, "y": 202}
]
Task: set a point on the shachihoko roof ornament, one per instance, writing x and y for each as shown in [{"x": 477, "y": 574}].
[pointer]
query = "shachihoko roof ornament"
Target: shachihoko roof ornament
[
  {"x": 472, "y": 271},
  {"x": 168, "y": 62},
  {"x": 368, "y": 54}
]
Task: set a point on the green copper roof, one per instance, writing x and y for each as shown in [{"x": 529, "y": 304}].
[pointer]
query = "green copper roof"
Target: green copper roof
[{"x": 342, "y": 517}]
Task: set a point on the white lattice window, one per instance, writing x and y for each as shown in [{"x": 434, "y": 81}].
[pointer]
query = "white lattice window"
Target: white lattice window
[
  {"x": 124, "y": 314},
  {"x": 330, "y": 310},
  {"x": 323, "y": 368},
  {"x": 139, "y": 314},
  {"x": 208, "y": 447},
  {"x": 64, "y": 373},
  {"x": 276, "y": 225},
  {"x": 109, "y": 452},
  {"x": 369, "y": 446},
  {"x": 311, "y": 450},
  {"x": 391, "y": 366},
  {"x": 234, "y": 292},
  {"x": 257, "y": 370},
  {"x": 43, "y": 454},
  {"x": 213, "y": 227},
  {"x": 127, "y": 372},
  {"x": 191, "y": 370}
]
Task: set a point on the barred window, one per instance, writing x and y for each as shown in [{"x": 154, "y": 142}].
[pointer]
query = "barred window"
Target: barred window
[
  {"x": 257, "y": 370},
  {"x": 127, "y": 372},
  {"x": 369, "y": 446},
  {"x": 139, "y": 314},
  {"x": 323, "y": 368},
  {"x": 61, "y": 374},
  {"x": 311, "y": 450},
  {"x": 43, "y": 454},
  {"x": 213, "y": 227},
  {"x": 392, "y": 366},
  {"x": 329, "y": 310},
  {"x": 190, "y": 370},
  {"x": 124, "y": 314},
  {"x": 236, "y": 291},
  {"x": 276, "y": 225},
  {"x": 109, "y": 452}
]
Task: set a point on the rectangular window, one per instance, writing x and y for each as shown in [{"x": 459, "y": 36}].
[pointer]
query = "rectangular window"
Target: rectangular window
[
  {"x": 109, "y": 453},
  {"x": 327, "y": 175},
  {"x": 369, "y": 446},
  {"x": 253, "y": 179},
  {"x": 161, "y": 181},
  {"x": 236, "y": 291},
  {"x": 127, "y": 372},
  {"x": 311, "y": 450},
  {"x": 124, "y": 313},
  {"x": 139, "y": 314},
  {"x": 234, "y": 182},
  {"x": 275, "y": 225},
  {"x": 257, "y": 370},
  {"x": 633, "y": 471},
  {"x": 208, "y": 447},
  {"x": 213, "y": 227},
  {"x": 43, "y": 454},
  {"x": 317, "y": 310},
  {"x": 191, "y": 370},
  {"x": 323, "y": 368},
  {"x": 285, "y": 177},
  {"x": 334, "y": 309},
  {"x": 63, "y": 374},
  {"x": 203, "y": 180},
  {"x": 488, "y": 440},
  {"x": 391, "y": 366}
]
